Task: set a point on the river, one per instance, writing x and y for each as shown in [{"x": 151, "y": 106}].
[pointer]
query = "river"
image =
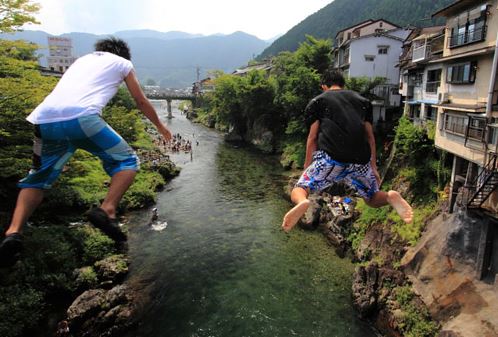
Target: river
[{"x": 222, "y": 267}]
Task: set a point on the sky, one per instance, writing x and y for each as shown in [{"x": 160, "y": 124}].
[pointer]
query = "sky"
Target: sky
[{"x": 262, "y": 18}]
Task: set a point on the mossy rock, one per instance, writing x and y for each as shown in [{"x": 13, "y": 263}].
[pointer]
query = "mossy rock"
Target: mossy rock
[{"x": 112, "y": 268}]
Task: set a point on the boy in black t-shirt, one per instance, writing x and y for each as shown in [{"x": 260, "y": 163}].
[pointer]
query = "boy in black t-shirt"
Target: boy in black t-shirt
[{"x": 341, "y": 147}]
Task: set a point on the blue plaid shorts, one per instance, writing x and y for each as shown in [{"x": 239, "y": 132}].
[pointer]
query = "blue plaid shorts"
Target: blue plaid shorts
[
  {"x": 324, "y": 171},
  {"x": 55, "y": 143}
]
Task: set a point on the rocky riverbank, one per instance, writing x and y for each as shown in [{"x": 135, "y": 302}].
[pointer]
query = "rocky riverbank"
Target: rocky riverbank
[{"x": 429, "y": 289}]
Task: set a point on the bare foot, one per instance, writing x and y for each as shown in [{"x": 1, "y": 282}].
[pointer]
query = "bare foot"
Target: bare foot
[
  {"x": 293, "y": 216},
  {"x": 400, "y": 205}
]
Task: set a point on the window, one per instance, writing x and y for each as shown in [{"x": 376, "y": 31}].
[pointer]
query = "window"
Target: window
[
  {"x": 383, "y": 49},
  {"x": 380, "y": 24},
  {"x": 468, "y": 27},
  {"x": 430, "y": 113},
  {"x": 433, "y": 80},
  {"x": 461, "y": 73},
  {"x": 477, "y": 127},
  {"x": 369, "y": 58},
  {"x": 454, "y": 124},
  {"x": 349, "y": 35}
]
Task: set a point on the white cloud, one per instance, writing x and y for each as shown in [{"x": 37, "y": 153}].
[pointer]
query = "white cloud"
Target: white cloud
[{"x": 262, "y": 18}]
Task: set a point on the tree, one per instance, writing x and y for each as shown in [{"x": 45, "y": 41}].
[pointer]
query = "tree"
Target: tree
[
  {"x": 15, "y": 13},
  {"x": 364, "y": 85}
]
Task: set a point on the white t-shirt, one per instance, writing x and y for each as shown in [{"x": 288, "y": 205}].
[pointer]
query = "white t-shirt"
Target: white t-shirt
[{"x": 84, "y": 89}]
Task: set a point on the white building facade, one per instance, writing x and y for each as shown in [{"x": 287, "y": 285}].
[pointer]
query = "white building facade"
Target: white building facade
[{"x": 60, "y": 53}]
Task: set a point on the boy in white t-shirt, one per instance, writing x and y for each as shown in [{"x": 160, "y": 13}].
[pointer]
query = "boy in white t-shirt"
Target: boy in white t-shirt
[{"x": 70, "y": 118}]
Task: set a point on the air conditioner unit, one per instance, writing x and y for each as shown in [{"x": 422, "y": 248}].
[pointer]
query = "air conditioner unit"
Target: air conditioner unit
[{"x": 443, "y": 97}]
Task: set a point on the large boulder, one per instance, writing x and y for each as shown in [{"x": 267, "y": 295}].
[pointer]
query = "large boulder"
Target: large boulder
[{"x": 100, "y": 312}]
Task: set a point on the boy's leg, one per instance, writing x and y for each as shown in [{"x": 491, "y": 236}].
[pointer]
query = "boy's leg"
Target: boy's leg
[
  {"x": 120, "y": 182},
  {"x": 27, "y": 201},
  {"x": 118, "y": 158},
  {"x": 299, "y": 196},
  {"x": 394, "y": 199}
]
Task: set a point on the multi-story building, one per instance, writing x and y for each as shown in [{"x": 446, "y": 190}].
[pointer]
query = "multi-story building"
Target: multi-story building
[
  {"x": 448, "y": 75},
  {"x": 467, "y": 117},
  {"x": 60, "y": 53},
  {"x": 371, "y": 49},
  {"x": 420, "y": 82}
]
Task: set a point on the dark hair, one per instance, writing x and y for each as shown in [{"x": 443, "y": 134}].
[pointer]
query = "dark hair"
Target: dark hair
[
  {"x": 115, "y": 46},
  {"x": 333, "y": 77}
]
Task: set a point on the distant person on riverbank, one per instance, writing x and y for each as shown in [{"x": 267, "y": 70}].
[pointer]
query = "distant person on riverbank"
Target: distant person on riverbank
[
  {"x": 70, "y": 118},
  {"x": 341, "y": 147}
]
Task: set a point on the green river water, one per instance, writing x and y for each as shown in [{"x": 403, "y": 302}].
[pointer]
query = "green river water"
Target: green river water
[{"x": 222, "y": 267}]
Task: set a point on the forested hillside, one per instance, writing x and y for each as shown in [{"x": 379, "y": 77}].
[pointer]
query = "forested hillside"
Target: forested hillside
[{"x": 344, "y": 13}]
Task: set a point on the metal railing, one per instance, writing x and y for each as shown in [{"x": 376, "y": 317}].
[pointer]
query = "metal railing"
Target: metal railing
[
  {"x": 467, "y": 37},
  {"x": 454, "y": 126},
  {"x": 432, "y": 86}
]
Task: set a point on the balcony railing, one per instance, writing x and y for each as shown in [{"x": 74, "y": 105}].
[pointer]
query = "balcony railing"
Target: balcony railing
[
  {"x": 455, "y": 125},
  {"x": 419, "y": 53},
  {"x": 467, "y": 37},
  {"x": 432, "y": 86},
  {"x": 437, "y": 44}
]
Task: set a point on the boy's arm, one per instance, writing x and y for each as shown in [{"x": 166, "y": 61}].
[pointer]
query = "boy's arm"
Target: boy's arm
[
  {"x": 311, "y": 143},
  {"x": 144, "y": 105},
  {"x": 373, "y": 149}
]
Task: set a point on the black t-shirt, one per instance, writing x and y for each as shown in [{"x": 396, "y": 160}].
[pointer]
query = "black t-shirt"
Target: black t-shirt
[{"x": 342, "y": 114}]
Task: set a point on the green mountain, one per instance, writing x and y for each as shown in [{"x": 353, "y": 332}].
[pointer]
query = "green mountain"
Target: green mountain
[
  {"x": 341, "y": 14},
  {"x": 170, "y": 59}
]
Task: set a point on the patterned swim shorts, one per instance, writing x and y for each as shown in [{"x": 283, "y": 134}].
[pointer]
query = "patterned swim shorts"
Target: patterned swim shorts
[
  {"x": 324, "y": 171},
  {"x": 55, "y": 143}
]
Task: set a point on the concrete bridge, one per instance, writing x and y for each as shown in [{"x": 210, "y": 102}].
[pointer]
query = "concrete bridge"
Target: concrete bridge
[{"x": 171, "y": 95}]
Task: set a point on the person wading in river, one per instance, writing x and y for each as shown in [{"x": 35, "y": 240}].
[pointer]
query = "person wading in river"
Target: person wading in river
[
  {"x": 70, "y": 118},
  {"x": 341, "y": 147}
]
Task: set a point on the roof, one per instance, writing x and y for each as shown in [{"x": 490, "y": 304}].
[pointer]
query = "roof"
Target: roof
[
  {"x": 429, "y": 32},
  {"x": 260, "y": 66},
  {"x": 482, "y": 51},
  {"x": 366, "y": 23},
  {"x": 353, "y": 26},
  {"x": 384, "y": 34},
  {"x": 455, "y": 7},
  {"x": 462, "y": 107},
  {"x": 371, "y": 23}
]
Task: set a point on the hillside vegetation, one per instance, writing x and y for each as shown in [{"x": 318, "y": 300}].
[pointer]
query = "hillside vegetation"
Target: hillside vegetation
[{"x": 341, "y": 14}]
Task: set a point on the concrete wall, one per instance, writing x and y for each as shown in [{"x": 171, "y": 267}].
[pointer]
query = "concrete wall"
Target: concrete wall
[
  {"x": 383, "y": 64},
  {"x": 456, "y": 143}
]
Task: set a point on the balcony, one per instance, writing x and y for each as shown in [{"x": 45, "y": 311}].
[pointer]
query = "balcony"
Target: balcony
[
  {"x": 437, "y": 44},
  {"x": 431, "y": 87},
  {"x": 467, "y": 37},
  {"x": 419, "y": 53}
]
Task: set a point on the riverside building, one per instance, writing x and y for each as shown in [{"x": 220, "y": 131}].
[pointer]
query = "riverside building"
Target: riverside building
[
  {"x": 371, "y": 49},
  {"x": 459, "y": 84}
]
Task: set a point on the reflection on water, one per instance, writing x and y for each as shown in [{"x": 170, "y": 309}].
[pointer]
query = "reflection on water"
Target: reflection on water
[{"x": 222, "y": 267}]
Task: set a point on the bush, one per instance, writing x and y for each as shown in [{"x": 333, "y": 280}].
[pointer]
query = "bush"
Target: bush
[
  {"x": 416, "y": 320},
  {"x": 86, "y": 278},
  {"x": 20, "y": 309}
]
